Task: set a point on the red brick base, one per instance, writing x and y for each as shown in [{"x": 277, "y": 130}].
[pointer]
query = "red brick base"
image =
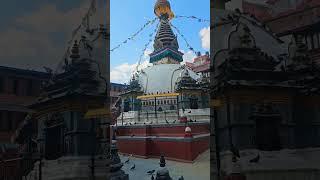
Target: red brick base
[{"x": 153, "y": 141}]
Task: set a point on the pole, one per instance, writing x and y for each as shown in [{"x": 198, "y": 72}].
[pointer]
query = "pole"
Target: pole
[
  {"x": 215, "y": 116},
  {"x": 122, "y": 110},
  {"x": 147, "y": 116},
  {"x": 155, "y": 106},
  {"x": 178, "y": 107},
  {"x": 40, "y": 168},
  {"x": 229, "y": 122},
  {"x": 165, "y": 115},
  {"x": 93, "y": 150}
]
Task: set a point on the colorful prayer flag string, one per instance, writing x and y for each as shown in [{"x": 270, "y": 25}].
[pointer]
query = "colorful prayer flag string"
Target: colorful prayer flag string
[
  {"x": 188, "y": 45},
  {"x": 147, "y": 44},
  {"x": 193, "y": 17},
  {"x": 149, "y": 22}
]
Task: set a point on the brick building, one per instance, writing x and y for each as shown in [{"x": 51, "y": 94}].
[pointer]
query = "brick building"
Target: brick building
[
  {"x": 115, "y": 90},
  {"x": 18, "y": 87},
  {"x": 201, "y": 64}
]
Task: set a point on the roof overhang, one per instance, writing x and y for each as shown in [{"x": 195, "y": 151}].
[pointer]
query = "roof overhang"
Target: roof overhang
[{"x": 158, "y": 95}]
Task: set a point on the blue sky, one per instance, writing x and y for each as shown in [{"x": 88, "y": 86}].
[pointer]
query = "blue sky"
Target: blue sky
[
  {"x": 33, "y": 35},
  {"x": 128, "y": 16}
]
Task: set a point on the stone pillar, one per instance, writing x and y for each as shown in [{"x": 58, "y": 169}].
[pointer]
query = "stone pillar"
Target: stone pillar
[
  {"x": 236, "y": 171},
  {"x": 115, "y": 167},
  {"x": 163, "y": 172}
]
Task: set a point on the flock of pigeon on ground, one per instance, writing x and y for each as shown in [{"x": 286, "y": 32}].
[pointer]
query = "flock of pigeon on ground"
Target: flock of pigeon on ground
[{"x": 151, "y": 172}]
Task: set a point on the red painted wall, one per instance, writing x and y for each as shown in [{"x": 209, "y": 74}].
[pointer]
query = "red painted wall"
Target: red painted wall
[
  {"x": 181, "y": 151},
  {"x": 165, "y": 131}
]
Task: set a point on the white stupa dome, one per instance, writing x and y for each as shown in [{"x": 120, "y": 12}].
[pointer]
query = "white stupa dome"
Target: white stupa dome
[{"x": 162, "y": 78}]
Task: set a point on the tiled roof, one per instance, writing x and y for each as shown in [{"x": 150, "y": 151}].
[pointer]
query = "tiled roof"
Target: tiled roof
[{"x": 24, "y": 72}]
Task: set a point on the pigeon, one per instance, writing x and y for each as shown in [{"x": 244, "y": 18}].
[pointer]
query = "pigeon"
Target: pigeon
[
  {"x": 48, "y": 70},
  {"x": 151, "y": 172},
  {"x": 127, "y": 161},
  {"x": 132, "y": 135},
  {"x": 238, "y": 11},
  {"x": 235, "y": 151},
  {"x": 191, "y": 120},
  {"x": 181, "y": 178},
  {"x": 167, "y": 121},
  {"x": 152, "y": 178},
  {"x": 255, "y": 160},
  {"x": 195, "y": 120},
  {"x": 189, "y": 112},
  {"x": 174, "y": 121},
  {"x": 133, "y": 167}
]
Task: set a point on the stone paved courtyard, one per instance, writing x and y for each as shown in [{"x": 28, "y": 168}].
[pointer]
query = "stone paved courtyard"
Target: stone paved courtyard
[{"x": 199, "y": 170}]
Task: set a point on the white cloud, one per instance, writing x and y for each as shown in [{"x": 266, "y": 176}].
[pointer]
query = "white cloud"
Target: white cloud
[
  {"x": 188, "y": 56},
  {"x": 147, "y": 52},
  {"x": 205, "y": 37},
  {"x": 123, "y": 72}
]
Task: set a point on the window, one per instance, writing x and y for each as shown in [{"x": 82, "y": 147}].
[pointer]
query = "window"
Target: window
[
  {"x": 312, "y": 41},
  {"x": 1, "y": 85},
  {"x": 126, "y": 105},
  {"x": 30, "y": 88},
  {"x": 15, "y": 87},
  {"x": 267, "y": 134},
  {"x": 10, "y": 121},
  {"x": 315, "y": 41},
  {"x": 193, "y": 102},
  {"x": 2, "y": 121}
]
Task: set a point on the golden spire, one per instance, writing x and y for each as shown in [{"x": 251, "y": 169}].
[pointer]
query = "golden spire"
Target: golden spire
[{"x": 163, "y": 9}]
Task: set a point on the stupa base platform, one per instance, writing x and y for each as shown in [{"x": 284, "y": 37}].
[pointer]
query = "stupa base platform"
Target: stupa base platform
[
  {"x": 170, "y": 140},
  {"x": 119, "y": 175},
  {"x": 70, "y": 168}
]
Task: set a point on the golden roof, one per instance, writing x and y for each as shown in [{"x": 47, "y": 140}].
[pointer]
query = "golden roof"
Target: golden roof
[
  {"x": 158, "y": 95},
  {"x": 97, "y": 113}
]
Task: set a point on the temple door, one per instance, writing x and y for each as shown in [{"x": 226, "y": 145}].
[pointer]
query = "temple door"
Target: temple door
[
  {"x": 267, "y": 134},
  {"x": 53, "y": 142}
]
